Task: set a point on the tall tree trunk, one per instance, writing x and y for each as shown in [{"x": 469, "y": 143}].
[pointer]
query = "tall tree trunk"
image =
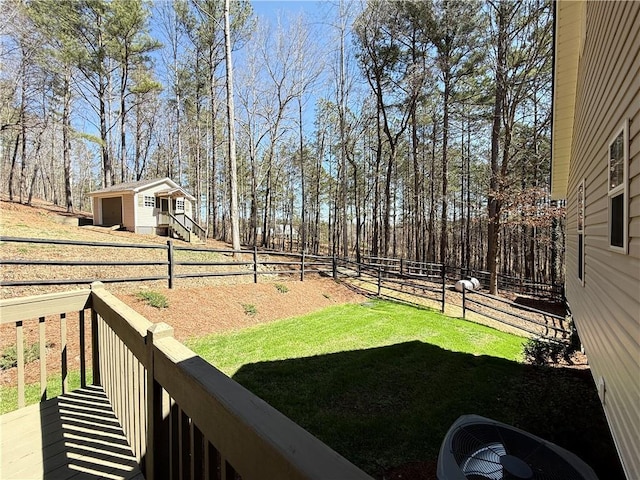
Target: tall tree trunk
[
  {"x": 233, "y": 169},
  {"x": 23, "y": 131},
  {"x": 213, "y": 185},
  {"x": 445, "y": 172},
  {"x": 66, "y": 141},
  {"x": 14, "y": 163},
  {"x": 431, "y": 249},
  {"x": 494, "y": 202},
  {"x": 303, "y": 192}
]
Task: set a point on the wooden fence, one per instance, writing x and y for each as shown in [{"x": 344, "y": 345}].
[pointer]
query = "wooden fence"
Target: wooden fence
[
  {"x": 260, "y": 263},
  {"x": 428, "y": 281},
  {"x": 509, "y": 283},
  {"x": 182, "y": 417},
  {"x": 531, "y": 321},
  {"x": 256, "y": 262},
  {"x": 430, "y": 284}
]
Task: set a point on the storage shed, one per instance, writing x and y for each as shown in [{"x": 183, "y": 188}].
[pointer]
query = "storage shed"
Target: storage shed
[{"x": 158, "y": 206}]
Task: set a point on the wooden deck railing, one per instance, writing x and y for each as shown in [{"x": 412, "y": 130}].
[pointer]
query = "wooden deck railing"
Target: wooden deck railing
[{"x": 183, "y": 417}]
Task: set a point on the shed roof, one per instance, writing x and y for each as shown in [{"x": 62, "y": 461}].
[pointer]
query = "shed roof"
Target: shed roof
[{"x": 173, "y": 188}]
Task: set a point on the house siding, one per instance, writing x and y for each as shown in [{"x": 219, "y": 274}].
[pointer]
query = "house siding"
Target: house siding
[
  {"x": 96, "y": 210},
  {"x": 607, "y": 308},
  {"x": 147, "y": 220},
  {"x": 128, "y": 214}
]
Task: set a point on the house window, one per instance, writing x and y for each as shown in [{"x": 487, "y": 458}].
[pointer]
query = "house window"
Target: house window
[
  {"x": 618, "y": 196},
  {"x": 149, "y": 201},
  {"x": 580, "y": 229},
  {"x": 180, "y": 204}
]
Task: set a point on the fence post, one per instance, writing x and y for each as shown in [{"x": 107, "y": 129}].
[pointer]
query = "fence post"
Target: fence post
[
  {"x": 156, "y": 456},
  {"x": 255, "y": 264},
  {"x": 401, "y": 267},
  {"x": 444, "y": 285},
  {"x": 170, "y": 259},
  {"x": 335, "y": 267},
  {"x": 379, "y": 280},
  {"x": 464, "y": 301},
  {"x": 302, "y": 267}
]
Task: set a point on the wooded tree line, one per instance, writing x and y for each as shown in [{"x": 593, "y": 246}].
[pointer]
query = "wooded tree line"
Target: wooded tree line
[{"x": 414, "y": 129}]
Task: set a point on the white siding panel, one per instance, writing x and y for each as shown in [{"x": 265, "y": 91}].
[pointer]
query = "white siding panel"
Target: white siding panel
[
  {"x": 146, "y": 216},
  {"x": 607, "y": 308},
  {"x": 128, "y": 219}
]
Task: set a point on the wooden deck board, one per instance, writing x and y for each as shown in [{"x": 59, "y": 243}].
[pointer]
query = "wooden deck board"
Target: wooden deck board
[{"x": 72, "y": 436}]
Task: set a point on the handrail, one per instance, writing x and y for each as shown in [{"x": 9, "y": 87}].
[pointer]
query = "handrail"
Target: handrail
[
  {"x": 182, "y": 230},
  {"x": 200, "y": 232},
  {"x": 176, "y": 410}
]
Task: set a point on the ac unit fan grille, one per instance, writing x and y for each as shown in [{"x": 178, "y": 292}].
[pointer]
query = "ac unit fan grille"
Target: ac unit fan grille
[{"x": 479, "y": 448}]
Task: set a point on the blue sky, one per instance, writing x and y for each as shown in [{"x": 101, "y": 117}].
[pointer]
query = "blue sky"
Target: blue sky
[{"x": 270, "y": 8}]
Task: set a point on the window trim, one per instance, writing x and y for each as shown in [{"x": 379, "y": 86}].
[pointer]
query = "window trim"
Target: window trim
[
  {"x": 147, "y": 197},
  {"x": 622, "y": 189}
]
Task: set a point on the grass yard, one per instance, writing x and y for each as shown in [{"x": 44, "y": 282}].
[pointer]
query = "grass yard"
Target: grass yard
[
  {"x": 382, "y": 382},
  {"x": 9, "y": 395}
]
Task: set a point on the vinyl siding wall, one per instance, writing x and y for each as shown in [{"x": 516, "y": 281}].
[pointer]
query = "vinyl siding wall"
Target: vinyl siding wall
[
  {"x": 147, "y": 217},
  {"x": 95, "y": 209},
  {"x": 128, "y": 214},
  {"x": 607, "y": 308}
]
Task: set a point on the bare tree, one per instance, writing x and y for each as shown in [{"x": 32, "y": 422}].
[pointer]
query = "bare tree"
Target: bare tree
[{"x": 233, "y": 169}]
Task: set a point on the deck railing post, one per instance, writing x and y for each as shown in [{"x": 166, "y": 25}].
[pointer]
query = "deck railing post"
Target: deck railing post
[
  {"x": 95, "y": 345},
  {"x": 156, "y": 454},
  {"x": 170, "y": 260}
]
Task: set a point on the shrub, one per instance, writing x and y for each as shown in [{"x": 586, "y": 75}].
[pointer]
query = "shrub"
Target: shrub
[
  {"x": 155, "y": 299},
  {"x": 545, "y": 352},
  {"x": 9, "y": 358},
  {"x": 249, "y": 309},
  {"x": 281, "y": 288}
]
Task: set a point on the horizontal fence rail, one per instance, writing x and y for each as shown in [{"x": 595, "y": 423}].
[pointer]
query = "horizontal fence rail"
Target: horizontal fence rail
[
  {"x": 182, "y": 417},
  {"x": 385, "y": 276},
  {"x": 538, "y": 323},
  {"x": 256, "y": 263}
]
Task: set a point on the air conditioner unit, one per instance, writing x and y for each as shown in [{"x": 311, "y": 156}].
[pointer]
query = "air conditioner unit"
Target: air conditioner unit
[{"x": 478, "y": 448}]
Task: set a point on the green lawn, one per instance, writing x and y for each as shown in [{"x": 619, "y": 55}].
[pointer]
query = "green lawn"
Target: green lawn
[
  {"x": 382, "y": 382},
  {"x": 353, "y": 327},
  {"x": 9, "y": 395}
]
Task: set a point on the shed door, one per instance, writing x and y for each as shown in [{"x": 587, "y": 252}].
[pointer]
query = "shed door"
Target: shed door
[{"x": 112, "y": 211}]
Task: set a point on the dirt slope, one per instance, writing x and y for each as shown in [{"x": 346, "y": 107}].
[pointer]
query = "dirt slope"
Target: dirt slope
[{"x": 193, "y": 311}]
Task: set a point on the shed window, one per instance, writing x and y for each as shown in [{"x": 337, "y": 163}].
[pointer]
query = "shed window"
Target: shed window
[
  {"x": 149, "y": 201},
  {"x": 618, "y": 196},
  {"x": 180, "y": 204}
]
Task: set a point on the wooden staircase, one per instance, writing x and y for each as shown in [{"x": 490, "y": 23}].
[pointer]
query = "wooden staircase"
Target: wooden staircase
[{"x": 189, "y": 231}]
